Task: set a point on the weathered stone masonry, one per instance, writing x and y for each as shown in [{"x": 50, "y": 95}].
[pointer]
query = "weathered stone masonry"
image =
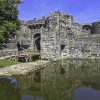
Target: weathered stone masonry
[{"x": 59, "y": 36}]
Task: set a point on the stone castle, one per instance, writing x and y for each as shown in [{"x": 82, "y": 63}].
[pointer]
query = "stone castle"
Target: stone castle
[{"x": 58, "y": 36}]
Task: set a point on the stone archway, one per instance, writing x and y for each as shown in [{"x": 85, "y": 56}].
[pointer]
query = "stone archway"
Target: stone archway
[
  {"x": 37, "y": 38},
  {"x": 87, "y": 29}
]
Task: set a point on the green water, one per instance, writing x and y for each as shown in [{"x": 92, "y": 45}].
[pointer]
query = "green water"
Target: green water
[{"x": 61, "y": 80}]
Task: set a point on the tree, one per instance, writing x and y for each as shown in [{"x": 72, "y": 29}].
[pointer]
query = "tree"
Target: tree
[{"x": 9, "y": 22}]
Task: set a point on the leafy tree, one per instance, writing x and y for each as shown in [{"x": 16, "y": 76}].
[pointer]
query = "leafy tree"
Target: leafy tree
[{"x": 9, "y": 22}]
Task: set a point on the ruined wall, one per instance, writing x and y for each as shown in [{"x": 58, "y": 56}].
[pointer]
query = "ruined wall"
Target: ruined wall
[
  {"x": 67, "y": 39},
  {"x": 50, "y": 48},
  {"x": 61, "y": 37}
]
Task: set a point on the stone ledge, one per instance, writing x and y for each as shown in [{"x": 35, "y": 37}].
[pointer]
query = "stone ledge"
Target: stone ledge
[{"x": 23, "y": 68}]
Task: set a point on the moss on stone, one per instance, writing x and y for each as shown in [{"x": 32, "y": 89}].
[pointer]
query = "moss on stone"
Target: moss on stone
[{"x": 6, "y": 62}]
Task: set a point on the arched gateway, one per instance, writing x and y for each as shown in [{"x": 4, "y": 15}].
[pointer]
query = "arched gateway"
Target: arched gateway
[{"x": 87, "y": 29}]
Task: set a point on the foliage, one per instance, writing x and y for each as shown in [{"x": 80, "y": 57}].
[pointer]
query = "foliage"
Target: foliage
[
  {"x": 5, "y": 62},
  {"x": 9, "y": 22}
]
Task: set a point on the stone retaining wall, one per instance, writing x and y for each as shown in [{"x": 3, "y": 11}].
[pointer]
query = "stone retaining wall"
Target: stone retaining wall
[{"x": 23, "y": 68}]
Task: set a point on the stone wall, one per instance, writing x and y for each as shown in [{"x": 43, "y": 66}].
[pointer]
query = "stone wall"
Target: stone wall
[{"x": 61, "y": 37}]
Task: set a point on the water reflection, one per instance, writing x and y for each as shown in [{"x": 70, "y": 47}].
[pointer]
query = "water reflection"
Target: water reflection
[
  {"x": 8, "y": 91},
  {"x": 70, "y": 81},
  {"x": 86, "y": 94}
]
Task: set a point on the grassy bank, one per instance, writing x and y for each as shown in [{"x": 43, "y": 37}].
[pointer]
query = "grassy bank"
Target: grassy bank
[{"x": 6, "y": 62}]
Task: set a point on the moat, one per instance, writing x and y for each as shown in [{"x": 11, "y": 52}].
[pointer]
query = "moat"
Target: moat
[{"x": 61, "y": 80}]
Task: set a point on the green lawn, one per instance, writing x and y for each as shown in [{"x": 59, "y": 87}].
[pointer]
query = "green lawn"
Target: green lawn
[{"x": 5, "y": 62}]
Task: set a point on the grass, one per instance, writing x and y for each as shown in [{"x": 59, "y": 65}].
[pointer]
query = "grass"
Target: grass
[{"x": 6, "y": 62}]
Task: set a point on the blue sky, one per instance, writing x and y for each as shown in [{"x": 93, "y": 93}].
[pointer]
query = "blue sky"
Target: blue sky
[{"x": 82, "y": 10}]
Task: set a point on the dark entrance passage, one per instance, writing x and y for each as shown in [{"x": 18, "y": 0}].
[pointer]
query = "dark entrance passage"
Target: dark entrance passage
[
  {"x": 62, "y": 46},
  {"x": 37, "y": 38}
]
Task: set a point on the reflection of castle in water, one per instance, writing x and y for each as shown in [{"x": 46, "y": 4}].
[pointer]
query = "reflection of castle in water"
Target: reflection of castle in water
[
  {"x": 30, "y": 83},
  {"x": 57, "y": 83}
]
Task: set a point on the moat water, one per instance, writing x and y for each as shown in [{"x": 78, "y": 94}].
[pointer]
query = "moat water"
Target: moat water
[{"x": 61, "y": 80}]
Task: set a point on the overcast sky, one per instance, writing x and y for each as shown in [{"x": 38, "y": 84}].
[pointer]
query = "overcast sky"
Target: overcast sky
[{"x": 82, "y": 10}]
